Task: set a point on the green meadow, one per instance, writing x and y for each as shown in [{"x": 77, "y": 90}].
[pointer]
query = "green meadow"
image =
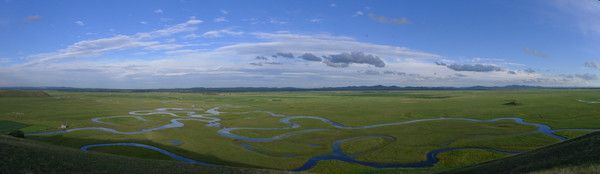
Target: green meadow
[{"x": 406, "y": 143}]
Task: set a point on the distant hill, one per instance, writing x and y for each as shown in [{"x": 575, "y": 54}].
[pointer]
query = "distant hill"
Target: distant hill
[
  {"x": 23, "y": 93},
  {"x": 579, "y": 155},
  {"x": 27, "y": 156},
  {"x": 270, "y": 89}
]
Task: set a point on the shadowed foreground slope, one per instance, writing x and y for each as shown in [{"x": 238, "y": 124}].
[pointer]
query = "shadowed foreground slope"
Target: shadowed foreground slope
[
  {"x": 27, "y": 156},
  {"x": 581, "y": 152}
]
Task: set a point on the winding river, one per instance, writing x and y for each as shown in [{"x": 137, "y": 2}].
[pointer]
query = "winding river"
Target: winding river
[{"x": 211, "y": 118}]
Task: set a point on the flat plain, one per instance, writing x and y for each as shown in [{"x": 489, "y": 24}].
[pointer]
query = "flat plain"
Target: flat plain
[{"x": 363, "y": 131}]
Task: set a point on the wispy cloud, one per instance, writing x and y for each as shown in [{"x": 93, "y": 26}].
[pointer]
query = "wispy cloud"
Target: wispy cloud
[
  {"x": 388, "y": 20},
  {"x": 80, "y": 23},
  {"x": 323, "y": 59},
  {"x": 120, "y": 42},
  {"x": 33, "y": 18},
  {"x": 585, "y": 12},
  {"x": 358, "y": 13},
  {"x": 535, "y": 53},
  {"x": 158, "y": 11},
  {"x": 224, "y": 12},
  {"x": 221, "y": 33},
  {"x": 220, "y": 19},
  {"x": 315, "y": 20}
]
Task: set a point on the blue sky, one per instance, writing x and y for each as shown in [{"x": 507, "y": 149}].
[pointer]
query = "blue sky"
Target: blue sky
[{"x": 169, "y": 44}]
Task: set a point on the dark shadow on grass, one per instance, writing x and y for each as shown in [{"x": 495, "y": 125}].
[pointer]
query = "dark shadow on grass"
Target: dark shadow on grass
[{"x": 9, "y": 126}]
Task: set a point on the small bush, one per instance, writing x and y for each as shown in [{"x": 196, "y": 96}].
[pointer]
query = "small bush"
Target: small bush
[
  {"x": 512, "y": 103},
  {"x": 17, "y": 133}
]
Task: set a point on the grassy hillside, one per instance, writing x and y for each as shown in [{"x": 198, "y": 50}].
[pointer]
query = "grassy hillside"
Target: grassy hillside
[
  {"x": 574, "y": 156},
  {"x": 16, "y": 93},
  {"x": 27, "y": 156}
]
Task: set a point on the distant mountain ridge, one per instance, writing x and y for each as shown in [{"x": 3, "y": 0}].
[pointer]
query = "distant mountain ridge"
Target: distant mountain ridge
[{"x": 266, "y": 89}]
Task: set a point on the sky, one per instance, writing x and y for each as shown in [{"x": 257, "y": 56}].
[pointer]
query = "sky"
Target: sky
[{"x": 306, "y": 44}]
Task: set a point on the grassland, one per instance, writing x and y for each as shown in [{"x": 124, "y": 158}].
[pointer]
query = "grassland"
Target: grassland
[
  {"x": 556, "y": 108},
  {"x": 579, "y": 155},
  {"x": 26, "y": 156}
]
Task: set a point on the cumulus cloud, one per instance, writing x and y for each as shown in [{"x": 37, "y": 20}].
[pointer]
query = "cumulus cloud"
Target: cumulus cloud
[
  {"x": 388, "y": 20},
  {"x": 317, "y": 59},
  {"x": 345, "y": 59},
  {"x": 534, "y": 53},
  {"x": 221, "y": 33},
  {"x": 592, "y": 64},
  {"x": 471, "y": 67},
  {"x": 309, "y": 57},
  {"x": 286, "y": 55},
  {"x": 261, "y": 58}
]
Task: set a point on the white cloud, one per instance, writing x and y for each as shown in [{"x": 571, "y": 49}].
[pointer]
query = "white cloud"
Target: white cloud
[
  {"x": 358, "y": 13},
  {"x": 585, "y": 12},
  {"x": 158, "y": 11},
  {"x": 316, "y": 20},
  {"x": 535, "y": 53},
  {"x": 33, "y": 18},
  {"x": 188, "y": 26},
  {"x": 225, "y": 12},
  {"x": 96, "y": 47},
  {"x": 191, "y": 36},
  {"x": 158, "y": 47},
  {"x": 221, "y": 33},
  {"x": 143, "y": 22},
  {"x": 80, "y": 23},
  {"x": 276, "y": 21},
  {"x": 229, "y": 65},
  {"x": 220, "y": 19},
  {"x": 388, "y": 20}
]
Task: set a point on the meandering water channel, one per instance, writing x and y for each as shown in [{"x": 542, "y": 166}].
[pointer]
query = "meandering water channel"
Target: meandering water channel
[{"x": 211, "y": 118}]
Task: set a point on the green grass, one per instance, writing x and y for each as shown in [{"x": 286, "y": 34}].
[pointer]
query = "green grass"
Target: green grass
[
  {"x": 26, "y": 156},
  {"x": 557, "y": 108},
  {"x": 132, "y": 151}
]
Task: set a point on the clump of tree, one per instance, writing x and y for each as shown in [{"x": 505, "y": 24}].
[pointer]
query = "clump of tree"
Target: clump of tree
[
  {"x": 512, "y": 103},
  {"x": 17, "y": 133}
]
